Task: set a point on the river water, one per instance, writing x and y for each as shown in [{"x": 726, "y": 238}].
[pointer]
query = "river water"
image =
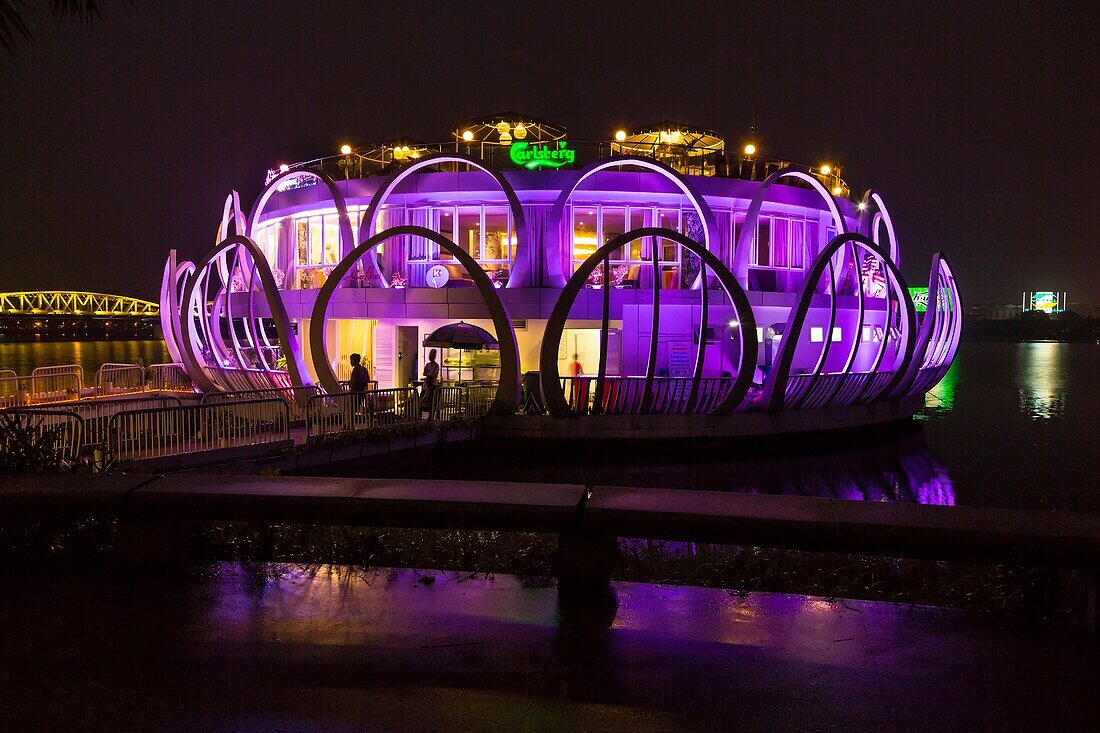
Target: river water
[{"x": 1010, "y": 425}]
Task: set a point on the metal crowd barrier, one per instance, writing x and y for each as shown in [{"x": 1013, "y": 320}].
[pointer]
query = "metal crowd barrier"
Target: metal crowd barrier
[
  {"x": 468, "y": 400},
  {"x": 169, "y": 378},
  {"x": 96, "y": 414},
  {"x": 168, "y": 431},
  {"x": 41, "y": 389},
  {"x": 47, "y": 378},
  {"x": 70, "y": 438},
  {"x": 296, "y": 398},
  {"x": 345, "y": 411},
  {"x": 120, "y": 379}
]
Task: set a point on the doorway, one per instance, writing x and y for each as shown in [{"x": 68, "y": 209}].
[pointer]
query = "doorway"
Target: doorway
[{"x": 408, "y": 355}]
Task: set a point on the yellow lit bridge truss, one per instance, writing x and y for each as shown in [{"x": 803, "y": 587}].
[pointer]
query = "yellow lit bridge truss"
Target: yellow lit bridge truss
[{"x": 68, "y": 303}]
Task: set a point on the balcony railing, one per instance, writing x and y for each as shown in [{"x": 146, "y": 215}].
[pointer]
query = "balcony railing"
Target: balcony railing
[{"x": 377, "y": 160}]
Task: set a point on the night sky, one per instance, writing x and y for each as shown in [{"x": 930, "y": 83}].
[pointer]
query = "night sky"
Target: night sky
[{"x": 977, "y": 122}]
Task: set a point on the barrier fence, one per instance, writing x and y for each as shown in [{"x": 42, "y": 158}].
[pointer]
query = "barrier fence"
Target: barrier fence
[
  {"x": 344, "y": 411},
  {"x": 96, "y": 414},
  {"x": 296, "y": 398},
  {"x": 67, "y": 429},
  {"x": 169, "y": 378},
  {"x": 60, "y": 376},
  {"x": 36, "y": 390},
  {"x": 465, "y": 401},
  {"x": 167, "y": 431},
  {"x": 119, "y": 379}
]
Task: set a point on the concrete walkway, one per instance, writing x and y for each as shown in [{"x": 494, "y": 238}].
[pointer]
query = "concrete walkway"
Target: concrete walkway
[{"x": 335, "y": 650}]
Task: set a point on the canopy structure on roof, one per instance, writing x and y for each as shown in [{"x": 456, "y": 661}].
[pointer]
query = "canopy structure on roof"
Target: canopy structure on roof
[{"x": 504, "y": 128}]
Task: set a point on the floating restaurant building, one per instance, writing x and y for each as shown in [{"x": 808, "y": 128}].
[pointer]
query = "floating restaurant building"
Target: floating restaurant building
[{"x": 656, "y": 271}]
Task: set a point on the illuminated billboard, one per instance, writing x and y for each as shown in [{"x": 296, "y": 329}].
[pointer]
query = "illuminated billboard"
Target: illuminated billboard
[
  {"x": 1044, "y": 301},
  {"x": 920, "y": 298}
]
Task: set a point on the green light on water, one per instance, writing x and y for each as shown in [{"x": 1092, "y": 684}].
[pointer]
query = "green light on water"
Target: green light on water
[{"x": 534, "y": 156}]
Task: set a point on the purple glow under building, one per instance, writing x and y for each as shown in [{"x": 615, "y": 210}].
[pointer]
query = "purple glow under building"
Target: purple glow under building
[{"x": 686, "y": 278}]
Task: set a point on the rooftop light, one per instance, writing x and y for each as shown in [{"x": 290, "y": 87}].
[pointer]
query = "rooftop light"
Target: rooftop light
[
  {"x": 837, "y": 190},
  {"x": 620, "y": 135},
  {"x": 861, "y": 206},
  {"x": 284, "y": 168},
  {"x": 826, "y": 169},
  {"x": 345, "y": 149},
  {"x": 750, "y": 149},
  {"x": 468, "y": 135}
]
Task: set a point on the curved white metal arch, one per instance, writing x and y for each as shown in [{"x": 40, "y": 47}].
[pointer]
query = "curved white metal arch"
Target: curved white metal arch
[
  {"x": 193, "y": 295},
  {"x": 775, "y": 388},
  {"x": 554, "y": 222},
  {"x": 347, "y": 241},
  {"x": 520, "y": 266},
  {"x": 752, "y": 218},
  {"x": 873, "y": 212}
]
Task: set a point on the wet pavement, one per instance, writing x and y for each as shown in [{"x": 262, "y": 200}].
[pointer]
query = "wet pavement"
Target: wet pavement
[{"x": 287, "y": 649}]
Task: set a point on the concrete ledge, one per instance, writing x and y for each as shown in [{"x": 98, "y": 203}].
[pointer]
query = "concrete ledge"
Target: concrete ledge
[
  {"x": 185, "y": 461},
  {"x": 50, "y": 496},
  {"x": 482, "y": 505},
  {"x": 832, "y": 525}
]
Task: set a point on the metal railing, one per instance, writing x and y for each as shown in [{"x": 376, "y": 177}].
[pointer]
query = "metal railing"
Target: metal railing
[
  {"x": 96, "y": 414},
  {"x": 113, "y": 378},
  {"x": 169, "y": 378},
  {"x": 43, "y": 389},
  {"x": 340, "y": 412},
  {"x": 68, "y": 429},
  {"x": 168, "y": 431},
  {"x": 44, "y": 378},
  {"x": 296, "y": 398},
  {"x": 627, "y": 395},
  {"x": 381, "y": 159},
  {"x": 470, "y": 401}
]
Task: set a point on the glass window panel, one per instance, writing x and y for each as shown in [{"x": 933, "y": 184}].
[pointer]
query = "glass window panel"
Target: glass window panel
[
  {"x": 469, "y": 230},
  {"x": 315, "y": 240},
  {"x": 497, "y": 234},
  {"x": 781, "y": 243},
  {"x": 639, "y": 218},
  {"x": 798, "y": 244},
  {"x": 763, "y": 242},
  {"x": 332, "y": 239},
  {"x": 443, "y": 221},
  {"x": 302, "y": 240},
  {"x": 584, "y": 232},
  {"x": 613, "y": 224}
]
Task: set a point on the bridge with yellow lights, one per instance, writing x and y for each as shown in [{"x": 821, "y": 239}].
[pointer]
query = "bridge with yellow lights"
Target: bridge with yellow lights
[{"x": 71, "y": 303}]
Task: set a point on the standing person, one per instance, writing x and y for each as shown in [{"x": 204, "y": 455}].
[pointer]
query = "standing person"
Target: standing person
[
  {"x": 580, "y": 386},
  {"x": 360, "y": 378},
  {"x": 431, "y": 376}
]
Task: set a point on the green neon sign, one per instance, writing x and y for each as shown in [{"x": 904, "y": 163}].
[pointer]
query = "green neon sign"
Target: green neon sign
[
  {"x": 553, "y": 155},
  {"x": 920, "y": 299}
]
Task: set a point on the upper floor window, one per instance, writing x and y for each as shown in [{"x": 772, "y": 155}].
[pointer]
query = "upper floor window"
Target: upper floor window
[
  {"x": 486, "y": 233},
  {"x": 596, "y": 225},
  {"x": 780, "y": 243}
]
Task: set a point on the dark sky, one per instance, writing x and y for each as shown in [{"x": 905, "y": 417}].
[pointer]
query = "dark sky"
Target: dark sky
[{"x": 976, "y": 121}]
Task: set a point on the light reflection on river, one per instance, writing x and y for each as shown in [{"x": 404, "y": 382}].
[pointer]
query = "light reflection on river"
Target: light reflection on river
[{"x": 22, "y": 357}]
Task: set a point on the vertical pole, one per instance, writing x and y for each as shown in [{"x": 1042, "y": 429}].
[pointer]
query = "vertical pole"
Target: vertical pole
[
  {"x": 597, "y": 400},
  {"x": 651, "y": 365},
  {"x": 700, "y": 354}
]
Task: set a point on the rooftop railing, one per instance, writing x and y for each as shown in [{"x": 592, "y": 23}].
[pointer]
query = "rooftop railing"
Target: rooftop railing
[{"x": 377, "y": 160}]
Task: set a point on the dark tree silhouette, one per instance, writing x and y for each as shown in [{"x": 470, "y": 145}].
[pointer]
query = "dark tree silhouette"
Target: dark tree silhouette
[{"x": 17, "y": 17}]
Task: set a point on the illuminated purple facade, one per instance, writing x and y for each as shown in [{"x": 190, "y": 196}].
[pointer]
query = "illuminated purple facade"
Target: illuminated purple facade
[{"x": 653, "y": 273}]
